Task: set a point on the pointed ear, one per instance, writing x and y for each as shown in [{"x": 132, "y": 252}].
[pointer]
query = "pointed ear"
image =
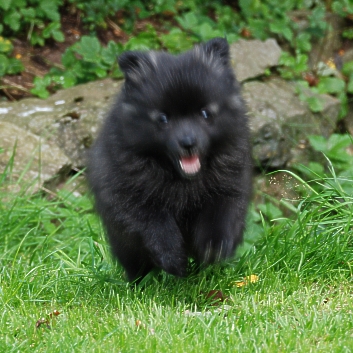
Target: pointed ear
[
  {"x": 219, "y": 48},
  {"x": 135, "y": 65}
]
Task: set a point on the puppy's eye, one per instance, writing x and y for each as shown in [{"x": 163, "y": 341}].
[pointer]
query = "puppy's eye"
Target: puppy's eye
[
  {"x": 162, "y": 118},
  {"x": 205, "y": 114}
]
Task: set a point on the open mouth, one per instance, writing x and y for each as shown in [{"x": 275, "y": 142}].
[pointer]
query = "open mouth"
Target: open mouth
[{"x": 190, "y": 165}]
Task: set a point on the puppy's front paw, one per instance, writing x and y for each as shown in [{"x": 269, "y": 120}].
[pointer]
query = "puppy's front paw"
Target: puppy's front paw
[
  {"x": 174, "y": 263},
  {"x": 214, "y": 251}
]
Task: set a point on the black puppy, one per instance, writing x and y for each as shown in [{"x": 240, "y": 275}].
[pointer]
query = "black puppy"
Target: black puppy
[{"x": 171, "y": 168}]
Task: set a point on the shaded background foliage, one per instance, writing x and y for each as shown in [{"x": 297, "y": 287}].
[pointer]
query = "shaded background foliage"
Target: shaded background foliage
[{"x": 90, "y": 34}]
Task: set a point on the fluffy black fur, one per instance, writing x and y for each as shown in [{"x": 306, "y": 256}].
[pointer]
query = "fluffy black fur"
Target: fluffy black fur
[{"x": 171, "y": 168}]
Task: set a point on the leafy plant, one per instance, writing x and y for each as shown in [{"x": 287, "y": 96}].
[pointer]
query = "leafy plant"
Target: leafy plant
[
  {"x": 95, "y": 12},
  {"x": 343, "y": 7},
  {"x": 337, "y": 160},
  {"x": 335, "y": 149},
  {"x": 334, "y": 86},
  {"x": 39, "y": 18},
  {"x": 197, "y": 20},
  {"x": 176, "y": 41},
  {"x": 8, "y": 65},
  {"x": 292, "y": 67},
  {"x": 85, "y": 61},
  {"x": 314, "y": 101},
  {"x": 202, "y": 27},
  {"x": 144, "y": 40}
]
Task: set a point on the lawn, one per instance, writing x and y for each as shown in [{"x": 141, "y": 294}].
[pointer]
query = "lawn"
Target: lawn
[{"x": 61, "y": 292}]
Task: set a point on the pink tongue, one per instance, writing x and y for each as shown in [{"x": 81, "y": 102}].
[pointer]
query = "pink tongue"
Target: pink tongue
[{"x": 190, "y": 164}]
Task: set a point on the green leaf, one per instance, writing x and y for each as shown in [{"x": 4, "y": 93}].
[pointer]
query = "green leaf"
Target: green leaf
[
  {"x": 258, "y": 28},
  {"x": 301, "y": 63},
  {"x": 68, "y": 59},
  {"x": 50, "y": 28},
  {"x": 280, "y": 27},
  {"x": 50, "y": 8},
  {"x": 338, "y": 142},
  {"x": 315, "y": 104},
  {"x": 19, "y": 3},
  {"x": 110, "y": 53},
  {"x": 347, "y": 68},
  {"x": 188, "y": 21},
  {"x": 348, "y": 33},
  {"x": 293, "y": 66},
  {"x": 78, "y": 70},
  {"x": 287, "y": 34},
  {"x": 302, "y": 42},
  {"x": 116, "y": 72},
  {"x": 317, "y": 168},
  {"x": 250, "y": 8},
  {"x": 331, "y": 85},
  {"x": 63, "y": 79},
  {"x": 318, "y": 24},
  {"x": 58, "y": 36},
  {"x": 270, "y": 210},
  {"x": 28, "y": 13},
  {"x": 5, "y": 45},
  {"x": 89, "y": 48},
  {"x": 4, "y": 63},
  {"x": 319, "y": 143},
  {"x": 40, "y": 85},
  {"x": 5, "y": 4},
  {"x": 37, "y": 39},
  {"x": 53, "y": 30},
  {"x": 286, "y": 59},
  {"x": 15, "y": 66},
  {"x": 100, "y": 72},
  {"x": 69, "y": 79},
  {"x": 143, "y": 41},
  {"x": 12, "y": 19},
  {"x": 205, "y": 31},
  {"x": 176, "y": 41}
]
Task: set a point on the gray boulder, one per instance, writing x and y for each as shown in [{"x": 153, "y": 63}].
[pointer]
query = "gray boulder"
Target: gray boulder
[
  {"x": 279, "y": 120},
  {"x": 251, "y": 58},
  {"x": 35, "y": 160},
  {"x": 69, "y": 118}
]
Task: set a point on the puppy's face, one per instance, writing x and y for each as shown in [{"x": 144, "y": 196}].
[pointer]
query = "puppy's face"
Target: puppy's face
[
  {"x": 172, "y": 129},
  {"x": 184, "y": 138},
  {"x": 179, "y": 109}
]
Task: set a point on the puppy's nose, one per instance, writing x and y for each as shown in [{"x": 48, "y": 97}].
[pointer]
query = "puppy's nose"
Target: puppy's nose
[{"x": 188, "y": 142}]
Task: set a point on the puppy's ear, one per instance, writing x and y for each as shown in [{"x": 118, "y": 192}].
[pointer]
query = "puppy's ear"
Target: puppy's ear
[
  {"x": 136, "y": 65},
  {"x": 217, "y": 47}
]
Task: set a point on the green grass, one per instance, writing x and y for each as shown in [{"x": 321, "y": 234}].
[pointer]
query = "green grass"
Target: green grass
[{"x": 53, "y": 256}]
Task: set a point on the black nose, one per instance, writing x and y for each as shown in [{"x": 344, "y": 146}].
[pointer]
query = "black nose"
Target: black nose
[{"x": 188, "y": 142}]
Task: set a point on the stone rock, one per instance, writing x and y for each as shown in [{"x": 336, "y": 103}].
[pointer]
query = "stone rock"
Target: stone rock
[
  {"x": 279, "y": 120},
  {"x": 41, "y": 160},
  {"x": 70, "y": 118},
  {"x": 250, "y": 58}
]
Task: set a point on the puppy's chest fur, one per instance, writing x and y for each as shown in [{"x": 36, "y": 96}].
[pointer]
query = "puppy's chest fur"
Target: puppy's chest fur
[{"x": 150, "y": 183}]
